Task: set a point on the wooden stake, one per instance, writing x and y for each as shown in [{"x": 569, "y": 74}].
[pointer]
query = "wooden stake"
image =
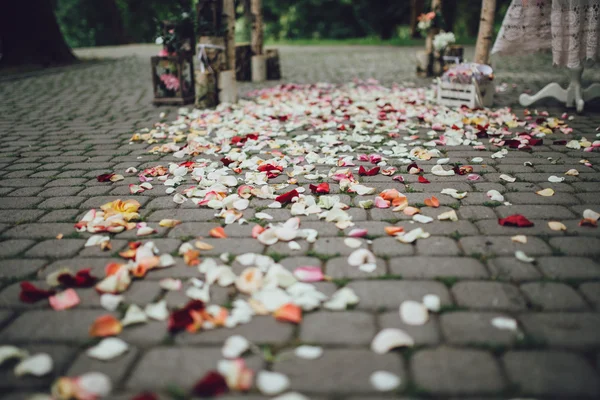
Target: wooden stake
[
  {"x": 229, "y": 23},
  {"x": 486, "y": 32},
  {"x": 257, "y": 27}
]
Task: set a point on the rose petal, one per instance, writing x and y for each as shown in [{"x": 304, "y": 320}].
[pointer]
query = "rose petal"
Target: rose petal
[
  {"x": 413, "y": 313},
  {"x": 235, "y": 346},
  {"x": 271, "y": 383},
  {"x": 521, "y": 256},
  {"x": 546, "y": 192},
  {"x": 557, "y": 226},
  {"x": 107, "y": 349},
  {"x": 36, "y": 365},
  {"x": 309, "y": 274},
  {"x": 390, "y": 338},
  {"x": 384, "y": 381},
  {"x": 64, "y": 300},
  {"x": 432, "y": 302},
  {"x": 105, "y": 325},
  {"x": 308, "y": 352}
]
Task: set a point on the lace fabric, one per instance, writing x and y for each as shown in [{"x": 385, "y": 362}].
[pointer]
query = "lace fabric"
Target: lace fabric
[{"x": 569, "y": 27}]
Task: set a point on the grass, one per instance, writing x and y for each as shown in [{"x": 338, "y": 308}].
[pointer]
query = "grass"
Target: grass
[
  {"x": 492, "y": 204},
  {"x": 341, "y": 282},
  {"x": 403, "y": 39},
  {"x": 321, "y": 256},
  {"x": 456, "y": 235},
  {"x": 482, "y": 257},
  {"x": 449, "y": 281},
  {"x": 276, "y": 256},
  {"x": 389, "y": 277}
]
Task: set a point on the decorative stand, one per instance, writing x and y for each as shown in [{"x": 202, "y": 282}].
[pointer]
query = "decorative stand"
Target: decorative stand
[{"x": 572, "y": 96}]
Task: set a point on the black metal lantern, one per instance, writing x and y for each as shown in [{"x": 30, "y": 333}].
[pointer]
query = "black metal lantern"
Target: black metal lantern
[{"x": 208, "y": 17}]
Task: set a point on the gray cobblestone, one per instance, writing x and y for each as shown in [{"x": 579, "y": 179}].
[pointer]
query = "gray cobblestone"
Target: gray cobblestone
[
  {"x": 552, "y": 374},
  {"x": 511, "y": 269},
  {"x": 359, "y": 364},
  {"x": 551, "y": 296},
  {"x": 56, "y": 248},
  {"x": 434, "y": 267},
  {"x": 389, "y": 294},
  {"x": 475, "y": 328},
  {"x": 488, "y": 295},
  {"x": 338, "y": 328},
  {"x": 180, "y": 366},
  {"x": 571, "y": 330},
  {"x": 455, "y": 371},
  {"x": 54, "y": 151}
]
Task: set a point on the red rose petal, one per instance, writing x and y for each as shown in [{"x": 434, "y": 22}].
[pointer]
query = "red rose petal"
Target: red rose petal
[
  {"x": 104, "y": 177},
  {"x": 515, "y": 220},
  {"x": 211, "y": 384},
  {"x": 81, "y": 279},
  {"x": 31, "y": 294},
  {"x": 422, "y": 179},
  {"x": 321, "y": 188},
  {"x": 287, "y": 197},
  {"x": 362, "y": 171},
  {"x": 181, "y": 319}
]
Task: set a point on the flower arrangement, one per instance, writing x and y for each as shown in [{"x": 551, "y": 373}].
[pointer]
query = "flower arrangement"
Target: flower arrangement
[
  {"x": 443, "y": 40},
  {"x": 428, "y": 21},
  {"x": 177, "y": 36}
]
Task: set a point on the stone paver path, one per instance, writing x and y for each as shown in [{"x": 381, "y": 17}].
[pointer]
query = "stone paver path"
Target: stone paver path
[{"x": 62, "y": 128}]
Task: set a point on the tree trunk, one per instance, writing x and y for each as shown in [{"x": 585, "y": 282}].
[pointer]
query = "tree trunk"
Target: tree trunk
[
  {"x": 115, "y": 22},
  {"x": 486, "y": 32},
  {"x": 416, "y": 9},
  {"x": 29, "y": 34},
  {"x": 229, "y": 23},
  {"x": 257, "y": 27}
]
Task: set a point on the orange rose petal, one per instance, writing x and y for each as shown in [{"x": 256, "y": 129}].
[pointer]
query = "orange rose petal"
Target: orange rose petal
[
  {"x": 411, "y": 211},
  {"x": 257, "y": 230},
  {"x": 192, "y": 257},
  {"x": 218, "y": 232},
  {"x": 203, "y": 245},
  {"x": 139, "y": 271},
  {"x": 112, "y": 268},
  {"x": 393, "y": 230},
  {"x": 149, "y": 262},
  {"x": 432, "y": 202},
  {"x": 105, "y": 325},
  {"x": 128, "y": 254},
  {"x": 289, "y": 313}
]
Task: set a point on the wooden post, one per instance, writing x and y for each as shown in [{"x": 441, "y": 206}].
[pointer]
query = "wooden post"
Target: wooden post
[
  {"x": 486, "y": 32},
  {"x": 229, "y": 22},
  {"x": 257, "y": 27},
  {"x": 226, "y": 80},
  {"x": 259, "y": 61}
]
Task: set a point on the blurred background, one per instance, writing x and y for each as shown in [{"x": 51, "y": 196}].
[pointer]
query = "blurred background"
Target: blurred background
[{"x": 86, "y": 23}]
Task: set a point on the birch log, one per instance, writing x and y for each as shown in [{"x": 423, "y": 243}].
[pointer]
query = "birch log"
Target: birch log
[
  {"x": 229, "y": 23},
  {"x": 257, "y": 27},
  {"x": 486, "y": 32}
]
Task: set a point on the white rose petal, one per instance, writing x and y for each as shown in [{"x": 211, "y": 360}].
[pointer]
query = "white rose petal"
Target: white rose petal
[
  {"x": 308, "y": 352},
  {"x": 384, "y": 381},
  {"x": 271, "y": 383},
  {"x": 391, "y": 338},
  {"x": 108, "y": 349},
  {"x": 235, "y": 346},
  {"x": 413, "y": 313},
  {"x": 36, "y": 365}
]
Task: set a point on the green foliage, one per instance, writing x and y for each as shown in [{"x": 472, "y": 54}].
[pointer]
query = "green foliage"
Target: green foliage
[{"x": 110, "y": 22}]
